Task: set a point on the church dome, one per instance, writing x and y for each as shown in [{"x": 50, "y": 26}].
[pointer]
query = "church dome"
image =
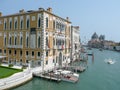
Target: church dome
[{"x": 94, "y": 36}]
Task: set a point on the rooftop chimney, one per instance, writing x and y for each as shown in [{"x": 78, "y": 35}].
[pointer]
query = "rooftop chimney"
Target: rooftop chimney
[
  {"x": 21, "y": 11},
  {"x": 0, "y": 14},
  {"x": 67, "y": 18},
  {"x": 49, "y": 9}
]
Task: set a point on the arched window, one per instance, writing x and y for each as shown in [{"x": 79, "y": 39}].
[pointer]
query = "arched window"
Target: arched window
[
  {"x": 15, "y": 24},
  {"x": 53, "y": 41},
  {"x": 21, "y": 24},
  {"x": 39, "y": 22},
  {"x": 10, "y": 24},
  {"x": 5, "y": 25},
  {"x": 57, "y": 25},
  {"x": 5, "y": 41},
  {"x": 20, "y": 61},
  {"x": 28, "y": 23},
  {"x": 53, "y": 24},
  {"x": 39, "y": 42},
  {"x": 56, "y": 42},
  {"x": 21, "y": 41},
  {"x": 15, "y": 40},
  {"x": 46, "y": 22},
  {"x": 46, "y": 41},
  {"x": 27, "y": 43},
  {"x": 10, "y": 41}
]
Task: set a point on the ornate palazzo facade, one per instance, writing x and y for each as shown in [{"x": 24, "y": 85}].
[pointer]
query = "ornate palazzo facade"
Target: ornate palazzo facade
[{"x": 40, "y": 37}]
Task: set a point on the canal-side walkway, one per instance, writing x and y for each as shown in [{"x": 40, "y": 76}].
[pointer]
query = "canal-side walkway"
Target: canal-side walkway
[
  {"x": 21, "y": 77},
  {"x": 15, "y": 80}
]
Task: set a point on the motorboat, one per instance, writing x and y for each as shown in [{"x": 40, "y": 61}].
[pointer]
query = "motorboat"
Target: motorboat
[
  {"x": 66, "y": 75},
  {"x": 110, "y": 61}
]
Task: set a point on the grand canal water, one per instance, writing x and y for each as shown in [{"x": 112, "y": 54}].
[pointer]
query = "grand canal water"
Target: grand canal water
[{"x": 98, "y": 76}]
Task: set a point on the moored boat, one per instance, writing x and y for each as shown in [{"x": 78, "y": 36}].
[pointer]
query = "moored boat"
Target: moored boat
[
  {"x": 68, "y": 76},
  {"x": 80, "y": 69}
]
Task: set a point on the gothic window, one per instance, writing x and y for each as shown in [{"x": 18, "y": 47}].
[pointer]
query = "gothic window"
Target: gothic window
[
  {"x": 53, "y": 60},
  {"x": 15, "y": 52},
  {"x": 56, "y": 42},
  {"x": 21, "y": 41},
  {"x": 53, "y": 24},
  {"x": 53, "y": 41},
  {"x": 47, "y": 53},
  {"x": 28, "y": 23},
  {"x": 5, "y": 25},
  {"x": 32, "y": 53},
  {"x": 27, "y": 53},
  {"x": 5, "y": 41},
  {"x": 46, "y": 22},
  {"x": 10, "y": 41},
  {"x": 56, "y": 25},
  {"x": 46, "y": 62},
  {"x": 38, "y": 54},
  {"x": 10, "y": 52},
  {"x": 21, "y": 24},
  {"x": 39, "y": 42},
  {"x": 4, "y": 51},
  {"x": 27, "y": 42},
  {"x": 15, "y": 40},
  {"x": 20, "y": 52},
  {"x": 10, "y": 24},
  {"x": 46, "y": 41},
  {"x": 15, "y": 24},
  {"x": 39, "y": 22}
]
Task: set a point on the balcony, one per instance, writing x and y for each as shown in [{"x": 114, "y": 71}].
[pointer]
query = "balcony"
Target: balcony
[
  {"x": 15, "y": 46},
  {"x": 60, "y": 47}
]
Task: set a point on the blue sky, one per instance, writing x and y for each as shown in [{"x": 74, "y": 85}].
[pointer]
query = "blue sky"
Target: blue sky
[{"x": 100, "y": 16}]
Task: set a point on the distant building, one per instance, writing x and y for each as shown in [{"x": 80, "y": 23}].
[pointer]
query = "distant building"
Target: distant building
[
  {"x": 102, "y": 37},
  {"x": 94, "y": 36},
  {"x": 96, "y": 41},
  {"x": 75, "y": 42},
  {"x": 109, "y": 45},
  {"x": 100, "y": 42}
]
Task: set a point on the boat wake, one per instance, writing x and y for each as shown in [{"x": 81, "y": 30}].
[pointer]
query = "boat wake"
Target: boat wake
[{"x": 110, "y": 61}]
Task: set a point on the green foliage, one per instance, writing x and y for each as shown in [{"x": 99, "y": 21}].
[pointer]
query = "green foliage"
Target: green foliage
[{"x": 10, "y": 65}]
